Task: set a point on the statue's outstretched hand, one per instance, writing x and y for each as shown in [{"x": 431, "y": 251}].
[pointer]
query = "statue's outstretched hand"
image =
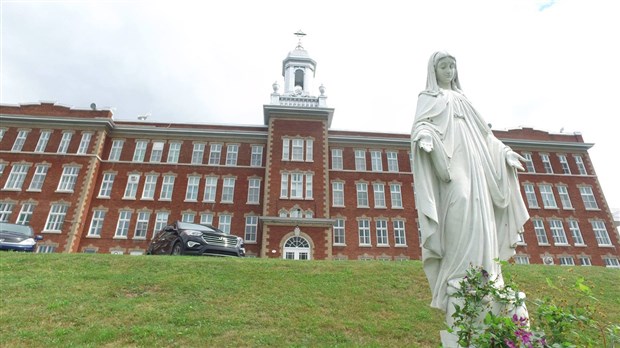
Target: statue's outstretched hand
[
  {"x": 424, "y": 140},
  {"x": 514, "y": 160}
]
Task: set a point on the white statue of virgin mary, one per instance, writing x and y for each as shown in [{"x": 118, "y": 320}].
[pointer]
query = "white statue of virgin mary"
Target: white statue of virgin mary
[{"x": 469, "y": 204}]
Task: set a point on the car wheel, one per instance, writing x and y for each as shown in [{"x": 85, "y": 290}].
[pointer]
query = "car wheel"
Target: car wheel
[{"x": 176, "y": 249}]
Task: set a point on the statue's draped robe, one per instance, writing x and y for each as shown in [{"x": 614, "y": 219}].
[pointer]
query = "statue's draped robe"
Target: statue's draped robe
[{"x": 470, "y": 209}]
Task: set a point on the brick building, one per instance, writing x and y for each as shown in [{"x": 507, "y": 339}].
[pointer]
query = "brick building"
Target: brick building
[{"x": 292, "y": 187}]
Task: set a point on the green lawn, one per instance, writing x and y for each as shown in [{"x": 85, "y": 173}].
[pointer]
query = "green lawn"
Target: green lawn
[{"x": 79, "y": 300}]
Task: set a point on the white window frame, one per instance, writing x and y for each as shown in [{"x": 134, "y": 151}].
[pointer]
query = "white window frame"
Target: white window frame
[
  {"x": 224, "y": 222},
  {"x": 376, "y": 161},
  {"x": 116, "y": 150},
  {"x": 63, "y": 146},
  {"x": 232, "y": 153},
  {"x": 360, "y": 160},
  {"x": 56, "y": 217},
  {"x": 20, "y": 140},
  {"x": 107, "y": 182},
  {"x": 122, "y": 226},
  {"x": 600, "y": 232},
  {"x": 575, "y": 232},
  {"x": 567, "y": 260},
  {"x": 339, "y": 232},
  {"x": 133, "y": 180},
  {"x": 548, "y": 199},
  {"x": 210, "y": 189},
  {"x": 564, "y": 164},
  {"x": 251, "y": 229},
  {"x": 188, "y": 216},
  {"x": 297, "y": 149},
  {"x": 546, "y": 163},
  {"x": 337, "y": 194},
  {"x": 198, "y": 153},
  {"x": 150, "y": 182},
  {"x": 215, "y": 154},
  {"x": 96, "y": 223},
  {"x": 337, "y": 161},
  {"x": 541, "y": 233},
  {"x": 381, "y": 230},
  {"x": 588, "y": 198},
  {"x": 140, "y": 151},
  {"x": 228, "y": 190},
  {"x": 580, "y": 165},
  {"x": 193, "y": 185},
  {"x": 206, "y": 219},
  {"x": 529, "y": 163},
  {"x": 557, "y": 232},
  {"x": 379, "y": 195},
  {"x": 257, "y": 156},
  {"x": 6, "y": 209},
  {"x": 161, "y": 221},
  {"x": 363, "y": 229},
  {"x": 167, "y": 187},
  {"x": 157, "y": 151},
  {"x": 142, "y": 225},
  {"x": 253, "y": 191},
  {"x": 17, "y": 176},
  {"x": 38, "y": 178},
  {"x": 44, "y": 138},
  {"x": 530, "y": 195},
  {"x": 25, "y": 213},
  {"x": 392, "y": 161},
  {"x": 400, "y": 235},
  {"x": 68, "y": 179},
  {"x": 174, "y": 150},
  {"x": 362, "y": 195},
  {"x": 564, "y": 197},
  {"x": 84, "y": 143},
  {"x": 396, "y": 196},
  {"x": 309, "y": 150}
]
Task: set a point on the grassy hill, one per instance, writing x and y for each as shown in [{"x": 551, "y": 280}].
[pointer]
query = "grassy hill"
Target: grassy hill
[{"x": 63, "y": 300}]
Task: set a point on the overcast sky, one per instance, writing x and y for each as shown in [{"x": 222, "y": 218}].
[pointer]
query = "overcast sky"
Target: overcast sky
[{"x": 550, "y": 65}]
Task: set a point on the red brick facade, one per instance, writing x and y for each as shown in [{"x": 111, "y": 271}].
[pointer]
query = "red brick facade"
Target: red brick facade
[{"x": 331, "y": 205}]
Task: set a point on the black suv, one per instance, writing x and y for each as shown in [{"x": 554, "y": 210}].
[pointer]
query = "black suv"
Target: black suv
[{"x": 184, "y": 238}]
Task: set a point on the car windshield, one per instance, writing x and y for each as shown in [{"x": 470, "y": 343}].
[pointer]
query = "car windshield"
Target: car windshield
[
  {"x": 14, "y": 228},
  {"x": 196, "y": 227}
]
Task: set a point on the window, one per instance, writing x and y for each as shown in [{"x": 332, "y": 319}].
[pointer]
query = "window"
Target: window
[
  {"x": 379, "y": 191},
  {"x": 25, "y": 214},
  {"x": 602, "y": 237},
  {"x": 611, "y": 262},
  {"x": 530, "y": 195},
  {"x": 580, "y": 165},
  {"x": 309, "y": 150},
  {"x": 585, "y": 261},
  {"x": 362, "y": 194},
  {"x": 395, "y": 196},
  {"x": 376, "y": 163},
  {"x": 337, "y": 163},
  {"x": 228, "y": 190},
  {"x": 174, "y": 149},
  {"x": 296, "y": 188},
  {"x": 251, "y": 228},
  {"x": 567, "y": 261},
  {"x": 363, "y": 228},
  {"x": 140, "y": 151},
  {"x": 161, "y": 220},
  {"x": 286, "y": 149},
  {"x": 132, "y": 186},
  {"x": 2, "y": 131},
  {"x": 115, "y": 151},
  {"x": 122, "y": 227},
  {"x": 167, "y": 186},
  {"x": 564, "y": 164},
  {"x": 339, "y": 236},
  {"x": 382, "y": 232},
  {"x": 2, "y": 166},
  {"x": 84, "y": 143},
  {"x": 575, "y": 232},
  {"x": 253, "y": 191},
  {"x": 148, "y": 192},
  {"x": 257, "y": 156},
  {"x": 529, "y": 163},
  {"x": 206, "y": 219},
  {"x": 193, "y": 183},
  {"x": 588, "y": 198},
  {"x": 557, "y": 232},
  {"x": 215, "y": 154},
  {"x": 20, "y": 140},
  {"x": 232, "y": 154},
  {"x": 224, "y": 223},
  {"x": 546, "y": 192},
  {"x": 68, "y": 179},
  {"x": 337, "y": 194},
  {"x": 360, "y": 160},
  {"x": 564, "y": 197},
  {"x": 399, "y": 233},
  {"x": 309, "y": 181},
  {"x": 188, "y": 217},
  {"x": 96, "y": 223},
  {"x": 210, "y": 188},
  {"x": 297, "y": 153},
  {"x": 392, "y": 161},
  {"x": 6, "y": 208},
  {"x": 46, "y": 249},
  {"x": 521, "y": 259},
  {"x": 40, "y": 172},
  {"x": 16, "y": 178},
  {"x": 56, "y": 217},
  {"x": 64, "y": 142},
  {"x": 157, "y": 151},
  {"x": 106, "y": 185},
  {"x": 546, "y": 163},
  {"x": 541, "y": 234},
  {"x": 198, "y": 153},
  {"x": 43, "y": 139}
]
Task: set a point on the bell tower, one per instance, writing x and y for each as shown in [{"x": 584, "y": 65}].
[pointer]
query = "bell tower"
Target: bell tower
[{"x": 296, "y": 221}]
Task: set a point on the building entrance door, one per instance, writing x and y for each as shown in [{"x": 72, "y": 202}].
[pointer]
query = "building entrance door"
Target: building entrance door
[{"x": 297, "y": 248}]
